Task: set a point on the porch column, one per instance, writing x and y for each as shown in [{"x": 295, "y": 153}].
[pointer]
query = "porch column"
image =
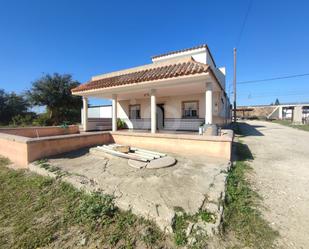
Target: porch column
[
  {"x": 114, "y": 112},
  {"x": 208, "y": 103},
  {"x": 153, "y": 110},
  {"x": 85, "y": 113}
]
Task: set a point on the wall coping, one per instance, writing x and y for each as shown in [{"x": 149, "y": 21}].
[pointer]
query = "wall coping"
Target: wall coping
[
  {"x": 228, "y": 137},
  {"x": 34, "y": 127},
  {"x": 28, "y": 140},
  {"x": 15, "y": 138},
  {"x": 66, "y": 136}
]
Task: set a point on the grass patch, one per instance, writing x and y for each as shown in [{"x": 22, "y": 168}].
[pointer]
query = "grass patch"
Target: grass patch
[
  {"x": 40, "y": 212},
  {"x": 181, "y": 224},
  {"x": 241, "y": 214},
  {"x": 43, "y": 163},
  {"x": 304, "y": 127}
]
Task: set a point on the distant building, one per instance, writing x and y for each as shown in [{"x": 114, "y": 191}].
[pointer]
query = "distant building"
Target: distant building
[
  {"x": 295, "y": 112},
  {"x": 99, "y": 117}
]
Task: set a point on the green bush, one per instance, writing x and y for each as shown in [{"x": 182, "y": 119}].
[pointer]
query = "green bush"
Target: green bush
[
  {"x": 120, "y": 123},
  {"x": 23, "y": 120},
  {"x": 42, "y": 120},
  {"x": 65, "y": 124}
]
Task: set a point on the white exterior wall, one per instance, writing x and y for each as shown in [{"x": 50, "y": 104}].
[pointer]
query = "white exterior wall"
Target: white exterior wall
[
  {"x": 173, "y": 112},
  {"x": 100, "y": 112},
  {"x": 200, "y": 55},
  {"x": 98, "y": 117}
]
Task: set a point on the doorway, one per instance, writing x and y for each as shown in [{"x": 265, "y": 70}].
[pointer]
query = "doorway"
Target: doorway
[{"x": 160, "y": 116}]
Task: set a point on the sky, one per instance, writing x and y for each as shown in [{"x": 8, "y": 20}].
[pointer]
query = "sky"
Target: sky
[{"x": 86, "y": 38}]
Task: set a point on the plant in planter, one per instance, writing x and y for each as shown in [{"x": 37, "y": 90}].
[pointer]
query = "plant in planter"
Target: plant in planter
[
  {"x": 64, "y": 124},
  {"x": 201, "y": 128},
  {"x": 121, "y": 124}
]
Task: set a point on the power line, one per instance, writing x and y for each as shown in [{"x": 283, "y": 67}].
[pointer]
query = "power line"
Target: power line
[
  {"x": 275, "y": 78},
  {"x": 243, "y": 24},
  {"x": 273, "y": 95},
  {"x": 250, "y": 95}
]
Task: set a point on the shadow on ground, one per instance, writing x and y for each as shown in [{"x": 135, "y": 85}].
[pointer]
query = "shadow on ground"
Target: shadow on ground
[
  {"x": 243, "y": 152},
  {"x": 244, "y": 129},
  {"x": 72, "y": 154}
]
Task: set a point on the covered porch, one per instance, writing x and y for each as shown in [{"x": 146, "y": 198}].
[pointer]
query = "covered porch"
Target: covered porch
[{"x": 166, "y": 106}]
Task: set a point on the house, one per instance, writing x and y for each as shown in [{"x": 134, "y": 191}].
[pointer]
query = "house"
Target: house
[{"x": 179, "y": 90}]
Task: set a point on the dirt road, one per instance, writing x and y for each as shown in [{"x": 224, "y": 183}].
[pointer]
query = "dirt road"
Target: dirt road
[{"x": 281, "y": 176}]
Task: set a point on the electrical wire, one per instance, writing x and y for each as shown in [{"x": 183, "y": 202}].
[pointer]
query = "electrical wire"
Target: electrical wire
[
  {"x": 250, "y": 96},
  {"x": 243, "y": 24},
  {"x": 272, "y": 79}
]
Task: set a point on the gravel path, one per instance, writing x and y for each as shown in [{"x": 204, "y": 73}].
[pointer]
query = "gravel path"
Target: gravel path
[{"x": 281, "y": 166}]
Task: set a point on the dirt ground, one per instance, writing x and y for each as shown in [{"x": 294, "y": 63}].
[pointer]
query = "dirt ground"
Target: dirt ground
[
  {"x": 281, "y": 177},
  {"x": 192, "y": 184}
]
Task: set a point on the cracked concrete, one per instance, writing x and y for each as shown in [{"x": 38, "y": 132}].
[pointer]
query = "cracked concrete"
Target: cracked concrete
[{"x": 193, "y": 183}]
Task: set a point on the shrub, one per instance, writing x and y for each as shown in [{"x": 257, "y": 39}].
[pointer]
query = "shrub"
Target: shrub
[
  {"x": 42, "y": 120},
  {"x": 23, "y": 120},
  {"x": 120, "y": 123}
]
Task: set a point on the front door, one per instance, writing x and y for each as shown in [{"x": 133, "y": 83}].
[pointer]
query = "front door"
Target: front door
[{"x": 160, "y": 116}]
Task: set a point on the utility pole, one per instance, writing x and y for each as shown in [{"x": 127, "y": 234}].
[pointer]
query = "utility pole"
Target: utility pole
[{"x": 234, "y": 83}]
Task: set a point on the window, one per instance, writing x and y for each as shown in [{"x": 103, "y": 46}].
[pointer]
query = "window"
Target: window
[
  {"x": 190, "y": 109},
  {"x": 135, "y": 111}
]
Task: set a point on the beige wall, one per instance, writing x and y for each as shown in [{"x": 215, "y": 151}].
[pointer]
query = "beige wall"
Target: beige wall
[
  {"x": 16, "y": 151},
  {"x": 190, "y": 145},
  {"x": 22, "y": 151},
  {"x": 48, "y": 147},
  {"x": 40, "y": 131}
]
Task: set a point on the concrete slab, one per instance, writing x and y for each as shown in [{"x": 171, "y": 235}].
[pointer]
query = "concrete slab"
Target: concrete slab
[
  {"x": 136, "y": 164},
  {"x": 163, "y": 162},
  {"x": 152, "y": 194}
]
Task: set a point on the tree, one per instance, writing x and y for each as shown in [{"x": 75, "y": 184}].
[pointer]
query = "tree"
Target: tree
[
  {"x": 277, "y": 102},
  {"x": 54, "y": 92},
  {"x": 11, "y": 105}
]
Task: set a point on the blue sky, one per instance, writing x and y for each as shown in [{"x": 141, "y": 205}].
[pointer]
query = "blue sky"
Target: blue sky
[{"x": 86, "y": 38}]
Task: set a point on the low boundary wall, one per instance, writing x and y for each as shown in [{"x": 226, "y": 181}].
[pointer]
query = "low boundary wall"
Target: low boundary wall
[
  {"x": 23, "y": 150},
  {"x": 41, "y": 131},
  {"x": 215, "y": 146}
]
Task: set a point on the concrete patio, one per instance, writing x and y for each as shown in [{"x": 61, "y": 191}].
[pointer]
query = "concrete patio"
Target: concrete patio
[{"x": 192, "y": 184}]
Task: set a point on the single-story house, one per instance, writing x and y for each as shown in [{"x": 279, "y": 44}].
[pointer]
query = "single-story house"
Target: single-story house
[{"x": 179, "y": 90}]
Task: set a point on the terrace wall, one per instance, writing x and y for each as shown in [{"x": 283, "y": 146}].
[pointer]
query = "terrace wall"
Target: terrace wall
[
  {"x": 41, "y": 131},
  {"x": 214, "y": 146},
  {"x": 22, "y": 150}
]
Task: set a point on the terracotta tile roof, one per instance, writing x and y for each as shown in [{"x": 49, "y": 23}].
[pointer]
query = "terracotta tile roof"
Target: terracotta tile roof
[{"x": 155, "y": 71}]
